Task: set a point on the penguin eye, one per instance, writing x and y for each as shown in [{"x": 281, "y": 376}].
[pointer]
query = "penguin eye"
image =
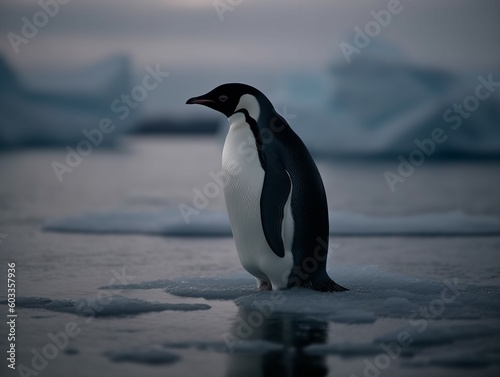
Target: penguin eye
[{"x": 223, "y": 98}]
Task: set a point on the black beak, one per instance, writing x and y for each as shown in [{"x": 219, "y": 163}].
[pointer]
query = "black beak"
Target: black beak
[{"x": 198, "y": 101}]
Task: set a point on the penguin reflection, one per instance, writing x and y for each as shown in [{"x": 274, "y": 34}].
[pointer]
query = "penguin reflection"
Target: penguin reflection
[{"x": 290, "y": 332}]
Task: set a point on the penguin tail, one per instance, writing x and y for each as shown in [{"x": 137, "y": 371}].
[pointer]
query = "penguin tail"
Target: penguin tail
[{"x": 327, "y": 285}]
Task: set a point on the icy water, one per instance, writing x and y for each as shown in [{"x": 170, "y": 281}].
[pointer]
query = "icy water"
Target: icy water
[{"x": 148, "y": 297}]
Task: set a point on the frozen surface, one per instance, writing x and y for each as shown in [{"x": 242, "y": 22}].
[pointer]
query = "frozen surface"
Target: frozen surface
[
  {"x": 103, "y": 307},
  {"x": 373, "y": 294},
  {"x": 208, "y": 288},
  {"x": 434, "y": 312},
  {"x": 215, "y": 223},
  {"x": 326, "y": 334},
  {"x": 369, "y": 300}
]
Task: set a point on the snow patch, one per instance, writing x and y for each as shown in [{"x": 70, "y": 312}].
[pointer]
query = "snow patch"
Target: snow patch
[
  {"x": 372, "y": 294},
  {"x": 103, "y": 307}
]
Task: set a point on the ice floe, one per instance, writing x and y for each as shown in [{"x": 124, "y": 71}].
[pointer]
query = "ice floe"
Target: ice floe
[
  {"x": 215, "y": 223},
  {"x": 373, "y": 294},
  {"x": 103, "y": 307},
  {"x": 209, "y": 288}
]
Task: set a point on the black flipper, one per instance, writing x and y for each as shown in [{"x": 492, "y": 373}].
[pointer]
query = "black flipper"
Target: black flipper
[{"x": 273, "y": 198}]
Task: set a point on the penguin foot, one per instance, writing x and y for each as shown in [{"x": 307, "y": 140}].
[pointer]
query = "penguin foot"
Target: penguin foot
[
  {"x": 327, "y": 285},
  {"x": 265, "y": 286}
]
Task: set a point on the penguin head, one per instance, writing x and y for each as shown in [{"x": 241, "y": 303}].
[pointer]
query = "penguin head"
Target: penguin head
[{"x": 228, "y": 98}]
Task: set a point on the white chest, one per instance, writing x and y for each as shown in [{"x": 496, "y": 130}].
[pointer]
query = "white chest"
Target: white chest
[{"x": 244, "y": 181}]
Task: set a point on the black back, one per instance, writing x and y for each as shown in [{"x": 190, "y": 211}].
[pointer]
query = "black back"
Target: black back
[
  {"x": 288, "y": 166},
  {"x": 285, "y": 158}
]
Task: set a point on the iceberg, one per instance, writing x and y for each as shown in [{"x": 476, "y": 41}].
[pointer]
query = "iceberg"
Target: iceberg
[
  {"x": 380, "y": 103},
  {"x": 442, "y": 320},
  {"x": 54, "y": 109}
]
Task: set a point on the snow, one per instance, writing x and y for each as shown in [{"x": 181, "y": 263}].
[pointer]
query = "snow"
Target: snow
[
  {"x": 373, "y": 294},
  {"x": 215, "y": 223}
]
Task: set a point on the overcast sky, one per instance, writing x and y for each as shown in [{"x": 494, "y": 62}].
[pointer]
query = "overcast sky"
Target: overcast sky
[{"x": 256, "y": 34}]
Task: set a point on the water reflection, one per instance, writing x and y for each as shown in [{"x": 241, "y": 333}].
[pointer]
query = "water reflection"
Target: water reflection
[{"x": 291, "y": 332}]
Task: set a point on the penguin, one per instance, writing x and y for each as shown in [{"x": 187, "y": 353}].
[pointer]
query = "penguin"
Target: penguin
[{"x": 273, "y": 191}]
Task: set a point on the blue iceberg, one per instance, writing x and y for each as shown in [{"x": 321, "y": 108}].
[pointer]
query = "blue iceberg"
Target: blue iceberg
[
  {"x": 382, "y": 105},
  {"x": 54, "y": 109}
]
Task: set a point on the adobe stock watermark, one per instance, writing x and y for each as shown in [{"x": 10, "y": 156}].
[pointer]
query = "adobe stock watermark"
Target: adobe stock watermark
[
  {"x": 254, "y": 319},
  {"x": 454, "y": 115},
  {"x": 224, "y": 6},
  {"x": 122, "y": 107},
  {"x": 363, "y": 36},
  {"x": 419, "y": 320},
  {"x": 58, "y": 342},
  {"x": 32, "y": 25},
  {"x": 218, "y": 180}
]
